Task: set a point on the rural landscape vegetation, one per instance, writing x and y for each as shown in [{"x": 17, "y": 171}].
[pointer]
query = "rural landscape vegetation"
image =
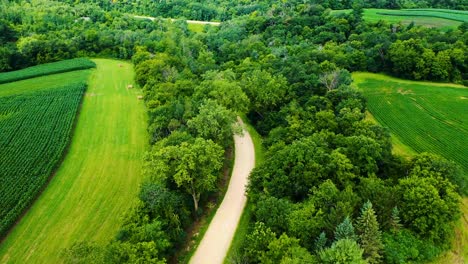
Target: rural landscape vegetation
[{"x": 220, "y": 131}]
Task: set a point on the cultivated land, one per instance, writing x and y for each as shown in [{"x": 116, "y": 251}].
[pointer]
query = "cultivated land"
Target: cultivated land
[
  {"x": 98, "y": 179},
  {"x": 36, "y": 120},
  {"x": 439, "y": 18},
  {"x": 424, "y": 116}
]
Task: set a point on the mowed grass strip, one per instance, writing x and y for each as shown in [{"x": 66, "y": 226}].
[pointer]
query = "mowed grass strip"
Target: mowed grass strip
[
  {"x": 99, "y": 178},
  {"x": 422, "y": 115}
]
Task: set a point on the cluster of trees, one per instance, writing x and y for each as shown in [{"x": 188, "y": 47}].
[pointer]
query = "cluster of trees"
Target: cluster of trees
[{"x": 45, "y": 31}]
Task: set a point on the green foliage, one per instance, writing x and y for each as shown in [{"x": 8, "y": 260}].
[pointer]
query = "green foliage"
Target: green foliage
[
  {"x": 274, "y": 213},
  {"x": 192, "y": 167},
  {"x": 214, "y": 122},
  {"x": 256, "y": 242},
  {"x": 47, "y": 69},
  {"x": 342, "y": 251},
  {"x": 345, "y": 230},
  {"x": 286, "y": 250},
  {"x": 429, "y": 206},
  {"x": 305, "y": 223},
  {"x": 404, "y": 247},
  {"x": 369, "y": 234},
  {"x": 35, "y": 129}
]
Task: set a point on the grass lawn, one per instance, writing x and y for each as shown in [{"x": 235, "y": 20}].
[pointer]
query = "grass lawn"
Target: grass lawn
[
  {"x": 98, "y": 179},
  {"x": 430, "y": 18}
]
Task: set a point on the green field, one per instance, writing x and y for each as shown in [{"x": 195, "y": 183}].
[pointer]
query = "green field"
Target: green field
[
  {"x": 98, "y": 179},
  {"x": 47, "y": 69},
  {"x": 422, "y": 115},
  {"x": 439, "y": 18}
]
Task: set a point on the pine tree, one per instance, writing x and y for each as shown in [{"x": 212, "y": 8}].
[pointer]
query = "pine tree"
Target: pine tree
[
  {"x": 369, "y": 234},
  {"x": 345, "y": 230},
  {"x": 320, "y": 241},
  {"x": 395, "y": 224}
]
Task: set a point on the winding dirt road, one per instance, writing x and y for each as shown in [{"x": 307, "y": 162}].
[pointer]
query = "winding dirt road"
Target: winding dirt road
[{"x": 215, "y": 244}]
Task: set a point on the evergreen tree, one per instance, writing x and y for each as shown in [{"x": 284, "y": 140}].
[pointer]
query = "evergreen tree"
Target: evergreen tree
[
  {"x": 369, "y": 234},
  {"x": 320, "y": 241},
  {"x": 395, "y": 223},
  {"x": 345, "y": 230}
]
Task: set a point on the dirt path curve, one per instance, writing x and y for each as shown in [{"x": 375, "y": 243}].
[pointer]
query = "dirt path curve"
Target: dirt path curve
[
  {"x": 215, "y": 244},
  {"x": 188, "y": 21}
]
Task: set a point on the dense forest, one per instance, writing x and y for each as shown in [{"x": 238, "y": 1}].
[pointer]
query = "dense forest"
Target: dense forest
[{"x": 330, "y": 191}]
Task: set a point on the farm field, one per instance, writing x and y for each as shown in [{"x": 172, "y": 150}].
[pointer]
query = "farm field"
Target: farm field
[
  {"x": 422, "y": 115},
  {"x": 98, "y": 179},
  {"x": 439, "y": 18},
  {"x": 47, "y": 69},
  {"x": 413, "y": 109},
  {"x": 36, "y": 121}
]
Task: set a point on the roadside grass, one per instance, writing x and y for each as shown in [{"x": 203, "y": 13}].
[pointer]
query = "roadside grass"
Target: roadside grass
[
  {"x": 439, "y": 18},
  {"x": 196, "y": 28},
  {"x": 98, "y": 179},
  {"x": 243, "y": 226}
]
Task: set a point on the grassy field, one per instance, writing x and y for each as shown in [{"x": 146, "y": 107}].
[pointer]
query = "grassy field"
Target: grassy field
[
  {"x": 424, "y": 116},
  {"x": 98, "y": 179},
  {"x": 439, "y": 18},
  {"x": 415, "y": 113}
]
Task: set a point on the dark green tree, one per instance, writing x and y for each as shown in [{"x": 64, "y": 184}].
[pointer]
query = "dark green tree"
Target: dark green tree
[{"x": 369, "y": 234}]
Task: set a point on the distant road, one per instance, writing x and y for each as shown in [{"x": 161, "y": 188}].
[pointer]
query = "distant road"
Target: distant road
[
  {"x": 215, "y": 244},
  {"x": 188, "y": 21}
]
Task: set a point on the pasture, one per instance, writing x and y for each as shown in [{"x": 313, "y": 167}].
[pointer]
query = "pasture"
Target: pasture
[
  {"x": 422, "y": 115},
  {"x": 98, "y": 179},
  {"x": 438, "y": 18}
]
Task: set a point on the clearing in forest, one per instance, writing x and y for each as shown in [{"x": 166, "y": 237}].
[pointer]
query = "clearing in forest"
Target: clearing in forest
[{"x": 98, "y": 179}]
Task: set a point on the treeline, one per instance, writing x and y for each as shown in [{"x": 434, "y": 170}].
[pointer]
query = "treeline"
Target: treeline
[
  {"x": 38, "y": 32},
  {"x": 45, "y": 31},
  {"x": 222, "y": 10}
]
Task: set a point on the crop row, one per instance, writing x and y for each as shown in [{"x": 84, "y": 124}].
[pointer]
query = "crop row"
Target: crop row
[
  {"x": 421, "y": 125},
  {"x": 47, "y": 69},
  {"x": 419, "y": 13},
  {"x": 34, "y": 132}
]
